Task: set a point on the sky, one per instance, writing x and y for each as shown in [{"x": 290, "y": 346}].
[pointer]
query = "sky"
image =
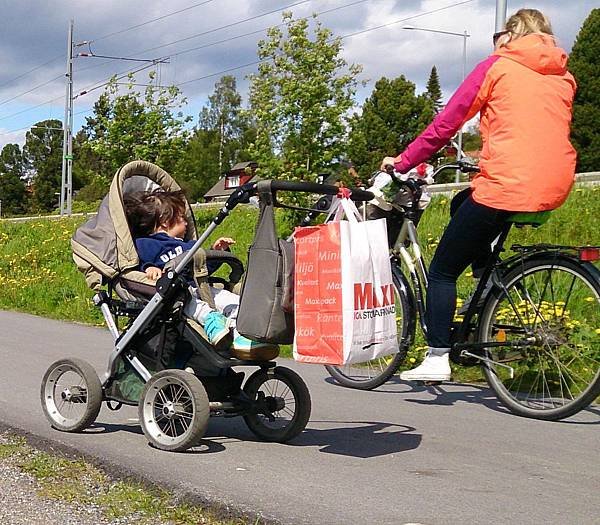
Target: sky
[{"x": 202, "y": 40}]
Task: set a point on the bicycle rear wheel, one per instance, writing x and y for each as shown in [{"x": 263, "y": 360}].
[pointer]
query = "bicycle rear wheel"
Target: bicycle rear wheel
[
  {"x": 549, "y": 317},
  {"x": 373, "y": 373}
]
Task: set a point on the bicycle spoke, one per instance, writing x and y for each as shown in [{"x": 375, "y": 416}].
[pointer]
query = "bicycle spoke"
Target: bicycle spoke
[{"x": 556, "y": 304}]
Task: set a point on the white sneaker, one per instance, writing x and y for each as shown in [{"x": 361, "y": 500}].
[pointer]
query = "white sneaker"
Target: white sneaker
[{"x": 435, "y": 367}]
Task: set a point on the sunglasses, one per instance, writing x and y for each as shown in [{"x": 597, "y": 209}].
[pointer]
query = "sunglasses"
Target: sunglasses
[{"x": 499, "y": 34}]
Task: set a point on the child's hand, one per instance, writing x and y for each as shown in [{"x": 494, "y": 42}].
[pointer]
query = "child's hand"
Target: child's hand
[
  {"x": 152, "y": 272},
  {"x": 223, "y": 243}
]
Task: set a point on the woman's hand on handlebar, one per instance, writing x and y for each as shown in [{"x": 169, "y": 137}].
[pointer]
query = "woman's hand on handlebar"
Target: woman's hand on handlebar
[{"x": 388, "y": 161}]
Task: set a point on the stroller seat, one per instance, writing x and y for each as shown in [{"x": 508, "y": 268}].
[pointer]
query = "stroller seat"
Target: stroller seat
[
  {"x": 162, "y": 361},
  {"x": 134, "y": 285}
]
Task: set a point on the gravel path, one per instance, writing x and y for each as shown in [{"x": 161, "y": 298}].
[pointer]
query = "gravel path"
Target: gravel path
[{"x": 21, "y": 504}]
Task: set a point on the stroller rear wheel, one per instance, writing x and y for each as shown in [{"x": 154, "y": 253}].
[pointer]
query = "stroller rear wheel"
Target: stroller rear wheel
[
  {"x": 174, "y": 410},
  {"x": 71, "y": 395},
  {"x": 281, "y": 404}
]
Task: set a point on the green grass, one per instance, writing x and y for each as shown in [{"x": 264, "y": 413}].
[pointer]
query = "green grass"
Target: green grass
[
  {"x": 78, "y": 482},
  {"x": 37, "y": 274}
]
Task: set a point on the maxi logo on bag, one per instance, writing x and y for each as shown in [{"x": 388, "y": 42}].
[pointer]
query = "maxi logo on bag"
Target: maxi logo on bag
[{"x": 369, "y": 303}]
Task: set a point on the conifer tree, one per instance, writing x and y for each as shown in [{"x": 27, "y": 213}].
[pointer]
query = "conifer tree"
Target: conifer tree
[
  {"x": 434, "y": 90},
  {"x": 584, "y": 63},
  {"x": 12, "y": 188},
  {"x": 390, "y": 119}
]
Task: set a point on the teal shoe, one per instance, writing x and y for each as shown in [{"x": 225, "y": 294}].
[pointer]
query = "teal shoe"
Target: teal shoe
[
  {"x": 217, "y": 330},
  {"x": 243, "y": 343}
]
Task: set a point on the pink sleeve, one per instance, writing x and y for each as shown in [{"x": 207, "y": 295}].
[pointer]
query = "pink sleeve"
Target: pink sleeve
[{"x": 464, "y": 104}]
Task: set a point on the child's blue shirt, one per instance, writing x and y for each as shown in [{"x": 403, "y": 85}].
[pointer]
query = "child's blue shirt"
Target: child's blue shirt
[{"x": 159, "y": 248}]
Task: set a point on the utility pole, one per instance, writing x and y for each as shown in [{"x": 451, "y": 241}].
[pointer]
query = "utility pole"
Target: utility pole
[
  {"x": 66, "y": 181},
  {"x": 500, "y": 15}
]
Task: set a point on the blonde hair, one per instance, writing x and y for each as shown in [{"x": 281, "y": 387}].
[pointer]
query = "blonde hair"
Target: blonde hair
[{"x": 528, "y": 21}]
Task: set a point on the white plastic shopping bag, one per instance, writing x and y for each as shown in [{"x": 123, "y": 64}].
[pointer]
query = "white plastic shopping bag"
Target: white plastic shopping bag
[{"x": 344, "y": 296}]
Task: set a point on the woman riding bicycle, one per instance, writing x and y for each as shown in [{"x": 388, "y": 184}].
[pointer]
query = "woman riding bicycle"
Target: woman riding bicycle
[{"x": 524, "y": 95}]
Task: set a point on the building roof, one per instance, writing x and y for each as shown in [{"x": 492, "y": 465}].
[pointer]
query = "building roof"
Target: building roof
[{"x": 218, "y": 190}]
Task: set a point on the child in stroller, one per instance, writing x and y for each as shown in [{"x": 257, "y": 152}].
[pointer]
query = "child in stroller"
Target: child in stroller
[
  {"x": 158, "y": 221},
  {"x": 158, "y": 341}
]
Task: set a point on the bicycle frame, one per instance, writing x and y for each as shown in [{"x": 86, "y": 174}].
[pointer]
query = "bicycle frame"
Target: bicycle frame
[{"x": 408, "y": 249}]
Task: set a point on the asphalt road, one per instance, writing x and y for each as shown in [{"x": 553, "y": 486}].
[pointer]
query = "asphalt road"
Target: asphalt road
[{"x": 448, "y": 455}]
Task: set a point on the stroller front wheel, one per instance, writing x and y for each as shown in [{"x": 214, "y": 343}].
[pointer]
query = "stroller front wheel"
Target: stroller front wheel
[
  {"x": 281, "y": 404},
  {"x": 174, "y": 410},
  {"x": 71, "y": 395}
]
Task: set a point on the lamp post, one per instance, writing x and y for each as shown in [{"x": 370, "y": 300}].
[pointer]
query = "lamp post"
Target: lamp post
[{"x": 464, "y": 35}]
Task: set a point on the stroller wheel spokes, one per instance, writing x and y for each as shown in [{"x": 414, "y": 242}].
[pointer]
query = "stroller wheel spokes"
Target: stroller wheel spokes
[
  {"x": 174, "y": 410},
  {"x": 281, "y": 404},
  {"x": 71, "y": 395}
]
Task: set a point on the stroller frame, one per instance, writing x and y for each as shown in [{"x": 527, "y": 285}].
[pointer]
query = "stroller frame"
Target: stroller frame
[{"x": 174, "y": 406}]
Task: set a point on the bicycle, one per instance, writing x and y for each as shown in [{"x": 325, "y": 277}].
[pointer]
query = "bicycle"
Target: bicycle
[{"x": 533, "y": 322}]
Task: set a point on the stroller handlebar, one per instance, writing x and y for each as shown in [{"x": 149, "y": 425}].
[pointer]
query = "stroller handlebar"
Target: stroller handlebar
[{"x": 322, "y": 189}]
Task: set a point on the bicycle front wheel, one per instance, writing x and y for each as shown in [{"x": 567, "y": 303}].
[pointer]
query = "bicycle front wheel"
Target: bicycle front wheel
[
  {"x": 373, "y": 373},
  {"x": 548, "y": 316}
]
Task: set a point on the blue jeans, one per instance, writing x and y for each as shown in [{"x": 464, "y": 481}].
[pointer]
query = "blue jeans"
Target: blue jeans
[{"x": 465, "y": 241}]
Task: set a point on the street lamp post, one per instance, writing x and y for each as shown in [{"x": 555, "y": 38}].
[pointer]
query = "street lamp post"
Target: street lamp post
[{"x": 464, "y": 35}]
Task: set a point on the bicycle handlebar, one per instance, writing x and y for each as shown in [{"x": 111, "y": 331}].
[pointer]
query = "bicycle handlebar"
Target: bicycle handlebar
[{"x": 465, "y": 167}]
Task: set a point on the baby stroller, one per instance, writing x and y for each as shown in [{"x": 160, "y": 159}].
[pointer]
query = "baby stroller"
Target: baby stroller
[{"x": 157, "y": 345}]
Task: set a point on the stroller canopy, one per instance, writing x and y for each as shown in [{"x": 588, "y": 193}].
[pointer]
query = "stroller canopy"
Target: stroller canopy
[{"x": 103, "y": 247}]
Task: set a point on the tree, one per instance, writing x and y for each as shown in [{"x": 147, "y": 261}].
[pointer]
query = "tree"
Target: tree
[
  {"x": 43, "y": 154},
  {"x": 390, "y": 119},
  {"x": 92, "y": 173},
  {"x": 299, "y": 99},
  {"x": 218, "y": 142},
  {"x": 584, "y": 63},
  {"x": 472, "y": 138},
  {"x": 434, "y": 90},
  {"x": 12, "y": 188},
  {"x": 137, "y": 125},
  {"x": 225, "y": 116},
  {"x": 198, "y": 168}
]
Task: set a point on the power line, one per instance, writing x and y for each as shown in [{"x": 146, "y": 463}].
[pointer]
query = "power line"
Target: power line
[
  {"x": 239, "y": 36},
  {"x": 116, "y": 77},
  {"x": 99, "y": 56},
  {"x": 406, "y": 19},
  {"x": 327, "y": 11},
  {"x": 31, "y": 108},
  {"x": 150, "y": 21},
  {"x": 168, "y": 44},
  {"x": 32, "y": 89},
  {"x": 220, "y": 72},
  {"x": 31, "y": 70},
  {"x": 124, "y": 73},
  {"x": 29, "y": 127},
  {"x": 234, "y": 68},
  {"x": 341, "y": 37},
  {"x": 85, "y": 91},
  {"x": 227, "y": 26}
]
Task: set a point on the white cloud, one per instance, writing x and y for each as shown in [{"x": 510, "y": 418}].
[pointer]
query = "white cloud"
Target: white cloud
[{"x": 389, "y": 51}]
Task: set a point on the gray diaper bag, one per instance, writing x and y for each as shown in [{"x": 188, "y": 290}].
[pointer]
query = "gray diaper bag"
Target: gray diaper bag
[{"x": 266, "y": 311}]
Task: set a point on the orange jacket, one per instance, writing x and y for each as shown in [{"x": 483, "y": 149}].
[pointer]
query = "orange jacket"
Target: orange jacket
[{"x": 525, "y": 96}]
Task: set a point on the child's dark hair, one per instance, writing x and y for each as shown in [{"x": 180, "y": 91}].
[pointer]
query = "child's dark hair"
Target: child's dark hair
[{"x": 147, "y": 210}]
